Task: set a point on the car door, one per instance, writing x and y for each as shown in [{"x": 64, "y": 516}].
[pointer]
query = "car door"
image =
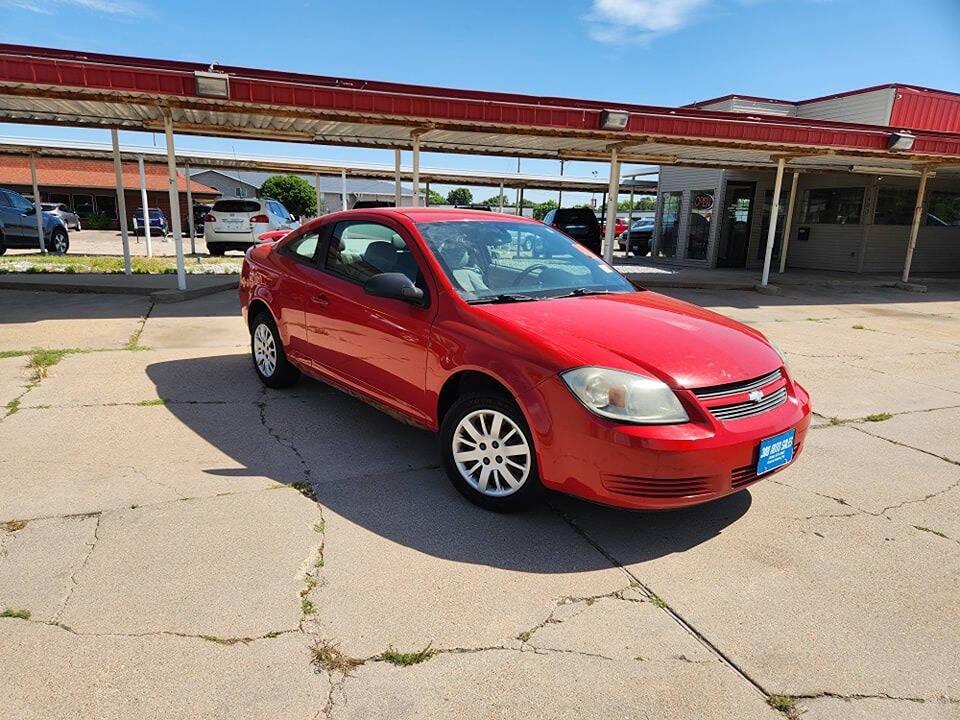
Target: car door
[
  {"x": 19, "y": 219},
  {"x": 297, "y": 286},
  {"x": 378, "y": 345}
]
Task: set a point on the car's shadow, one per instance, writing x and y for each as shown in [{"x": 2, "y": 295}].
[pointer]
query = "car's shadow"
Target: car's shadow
[{"x": 384, "y": 476}]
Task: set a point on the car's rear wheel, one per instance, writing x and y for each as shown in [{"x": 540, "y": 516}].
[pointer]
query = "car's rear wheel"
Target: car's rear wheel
[
  {"x": 3, "y": 245},
  {"x": 488, "y": 452},
  {"x": 59, "y": 243},
  {"x": 269, "y": 359},
  {"x": 216, "y": 249}
]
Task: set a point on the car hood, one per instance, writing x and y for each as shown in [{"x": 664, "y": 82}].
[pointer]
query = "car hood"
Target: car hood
[{"x": 681, "y": 344}]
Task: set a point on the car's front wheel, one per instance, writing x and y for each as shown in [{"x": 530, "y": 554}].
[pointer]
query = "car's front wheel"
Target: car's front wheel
[
  {"x": 216, "y": 249},
  {"x": 59, "y": 243},
  {"x": 488, "y": 452},
  {"x": 269, "y": 359}
]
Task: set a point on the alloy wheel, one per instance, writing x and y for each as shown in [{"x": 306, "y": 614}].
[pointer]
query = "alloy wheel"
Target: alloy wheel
[
  {"x": 491, "y": 453},
  {"x": 264, "y": 350}
]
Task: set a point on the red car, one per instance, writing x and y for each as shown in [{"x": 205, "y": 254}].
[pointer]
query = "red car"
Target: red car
[{"x": 538, "y": 364}]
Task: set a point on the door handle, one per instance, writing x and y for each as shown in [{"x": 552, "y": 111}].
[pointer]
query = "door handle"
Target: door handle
[{"x": 320, "y": 300}]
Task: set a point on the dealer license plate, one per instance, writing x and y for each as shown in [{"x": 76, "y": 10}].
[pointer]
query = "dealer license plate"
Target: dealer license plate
[{"x": 775, "y": 452}]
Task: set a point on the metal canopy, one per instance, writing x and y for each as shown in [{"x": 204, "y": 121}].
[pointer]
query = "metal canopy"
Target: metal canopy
[
  {"x": 39, "y": 85},
  {"x": 205, "y": 159}
]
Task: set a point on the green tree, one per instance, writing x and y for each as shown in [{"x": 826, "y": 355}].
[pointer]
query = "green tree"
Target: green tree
[
  {"x": 459, "y": 196},
  {"x": 297, "y": 195},
  {"x": 495, "y": 201},
  {"x": 435, "y": 197},
  {"x": 644, "y": 204},
  {"x": 541, "y": 209}
]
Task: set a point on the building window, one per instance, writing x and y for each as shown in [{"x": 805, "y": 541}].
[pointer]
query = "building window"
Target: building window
[
  {"x": 701, "y": 213},
  {"x": 944, "y": 209},
  {"x": 831, "y": 206},
  {"x": 107, "y": 206},
  {"x": 895, "y": 206},
  {"x": 83, "y": 205},
  {"x": 669, "y": 224},
  {"x": 58, "y": 198}
]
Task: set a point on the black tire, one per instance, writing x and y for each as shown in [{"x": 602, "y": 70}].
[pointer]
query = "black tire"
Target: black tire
[
  {"x": 530, "y": 489},
  {"x": 283, "y": 373},
  {"x": 3, "y": 245},
  {"x": 216, "y": 249},
  {"x": 59, "y": 241}
]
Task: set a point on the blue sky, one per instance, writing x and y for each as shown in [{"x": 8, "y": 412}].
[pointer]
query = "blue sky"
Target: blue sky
[{"x": 659, "y": 52}]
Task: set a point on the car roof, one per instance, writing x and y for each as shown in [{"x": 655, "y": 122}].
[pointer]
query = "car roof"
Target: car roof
[{"x": 429, "y": 214}]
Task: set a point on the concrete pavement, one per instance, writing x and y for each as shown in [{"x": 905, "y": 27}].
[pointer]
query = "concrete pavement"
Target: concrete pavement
[{"x": 190, "y": 544}]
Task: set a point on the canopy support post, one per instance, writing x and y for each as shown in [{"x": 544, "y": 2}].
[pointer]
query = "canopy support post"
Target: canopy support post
[
  {"x": 915, "y": 227},
  {"x": 174, "y": 203},
  {"x": 613, "y": 192},
  {"x": 316, "y": 187},
  {"x": 416, "y": 171},
  {"x": 396, "y": 178},
  {"x": 500, "y": 199},
  {"x": 37, "y": 207},
  {"x": 343, "y": 188},
  {"x": 190, "y": 219},
  {"x": 788, "y": 222},
  {"x": 772, "y": 230},
  {"x": 146, "y": 211},
  {"x": 121, "y": 202}
]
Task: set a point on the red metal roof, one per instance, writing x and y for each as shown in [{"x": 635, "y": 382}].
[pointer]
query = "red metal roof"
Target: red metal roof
[
  {"x": 93, "y": 174},
  {"x": 47, "y": 85},
  {"x": 918, "y": 108}
]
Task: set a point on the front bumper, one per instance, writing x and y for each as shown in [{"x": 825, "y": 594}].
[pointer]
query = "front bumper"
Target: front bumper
[{"x": 652, "y": 467}]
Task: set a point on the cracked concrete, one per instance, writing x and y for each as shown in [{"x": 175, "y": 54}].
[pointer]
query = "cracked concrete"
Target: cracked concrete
[{"x": 168, "y": 545}]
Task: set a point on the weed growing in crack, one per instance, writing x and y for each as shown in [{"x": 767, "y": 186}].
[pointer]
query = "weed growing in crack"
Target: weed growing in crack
[
  {"x": 318, "y": 528},
  {"x": 311, "y": 581},
  {"x": 222, "y": 641},
  {"x": 306, "y": 604},
  {"x": 326, "y": 655},
  {"x": 878, "y": 417},
  {"x": 151, "y": 403},
  {"x": 13, "y": 525},
  {"x": 40, "y": 361},
  {"x": 657, "y": 602},
  {"x": 13, "y": 406},
  {"x": 859, "y": 327},
  {"x": 272, "y": 634},
  {"x": 525, "y": 636},
  {"x": 785, "y": 704},
  {"x": 837, "y": 421},
  {"x": 12, "y": 613},
  {"x": 403, "y": 659}
]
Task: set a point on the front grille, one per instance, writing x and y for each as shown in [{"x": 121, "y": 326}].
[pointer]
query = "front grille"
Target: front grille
[
  {"x": 657, "y": 487},
  {"x": 737, "y": 388},
  {"x": 750, "y": 408}
]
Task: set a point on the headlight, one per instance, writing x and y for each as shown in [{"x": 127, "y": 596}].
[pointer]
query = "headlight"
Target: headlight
[
  {"x": 625, "y": 396},
  {"x": 783, "y": 357}
]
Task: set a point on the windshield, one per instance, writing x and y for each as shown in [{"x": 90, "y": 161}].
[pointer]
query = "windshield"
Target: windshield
[{"x": 507, "y": 260}]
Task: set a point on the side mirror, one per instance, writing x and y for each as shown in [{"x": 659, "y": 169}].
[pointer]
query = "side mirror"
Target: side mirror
[
  {"x": 394, "y": 285},
  {"x": 30, "y": 211}
]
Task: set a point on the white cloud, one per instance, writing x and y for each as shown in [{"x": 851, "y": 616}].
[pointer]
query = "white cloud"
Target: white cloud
[
  {"x": 640, "y": 20},
  {"x": 49, "y": 7}
]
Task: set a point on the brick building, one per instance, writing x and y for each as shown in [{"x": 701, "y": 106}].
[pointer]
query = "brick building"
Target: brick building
[{"x": 89, "y": 186}]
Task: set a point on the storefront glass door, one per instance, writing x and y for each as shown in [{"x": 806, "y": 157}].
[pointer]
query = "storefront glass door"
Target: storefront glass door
[{"x": 735, "y": 231}]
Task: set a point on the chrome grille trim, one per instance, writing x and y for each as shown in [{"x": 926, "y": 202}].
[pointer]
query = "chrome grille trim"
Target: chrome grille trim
[
  {"x": 719, "y": 391},
  {"x": 749, "y": 409}
]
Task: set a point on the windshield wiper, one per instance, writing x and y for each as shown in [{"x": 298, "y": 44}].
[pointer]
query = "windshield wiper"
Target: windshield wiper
[
  {"x": 502, "y": 298},
  {"x": 581, "y": 291}
]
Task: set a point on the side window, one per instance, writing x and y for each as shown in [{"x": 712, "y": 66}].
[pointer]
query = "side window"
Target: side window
[
  {"x": 305, "y": 246},
  {"x": 4, "y": 200},
  {"x": 548, "y": 218},
  {"x": 360, "y": 250},
  {"x": 281, "y": 211}
]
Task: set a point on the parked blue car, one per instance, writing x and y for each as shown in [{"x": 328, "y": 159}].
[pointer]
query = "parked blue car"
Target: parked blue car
[
  {"x": 18, "y": 225},
  {"x": 158, "y": 222}
]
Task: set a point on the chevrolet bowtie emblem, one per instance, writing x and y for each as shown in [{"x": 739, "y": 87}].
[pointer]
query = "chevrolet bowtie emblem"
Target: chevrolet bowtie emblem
[{"x": 756, "y": 396}]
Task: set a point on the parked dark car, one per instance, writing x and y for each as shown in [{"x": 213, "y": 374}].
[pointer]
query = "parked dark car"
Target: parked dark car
[
  {"x": 18, "y": 225},
  {"x": 158, "y": 222},
  {"x": 579, "y": 223},
  {"x": 638, "y": 239},
  {"x": 199, "y": 213},
  {"x": 367, "y": 204}
]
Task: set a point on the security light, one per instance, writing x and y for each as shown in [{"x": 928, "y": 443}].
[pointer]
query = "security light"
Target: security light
[
  {"x": 613, "y": 119},
  {"x": 900, "y": 141},
  {"x": 212, "y": 84}
]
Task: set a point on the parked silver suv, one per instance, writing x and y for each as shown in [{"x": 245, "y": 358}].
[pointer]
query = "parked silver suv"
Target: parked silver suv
[{"x": 18, "y": 225}]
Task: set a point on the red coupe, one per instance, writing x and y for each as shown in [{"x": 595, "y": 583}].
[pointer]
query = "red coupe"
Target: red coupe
[{"x": 539, "y": 365}]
